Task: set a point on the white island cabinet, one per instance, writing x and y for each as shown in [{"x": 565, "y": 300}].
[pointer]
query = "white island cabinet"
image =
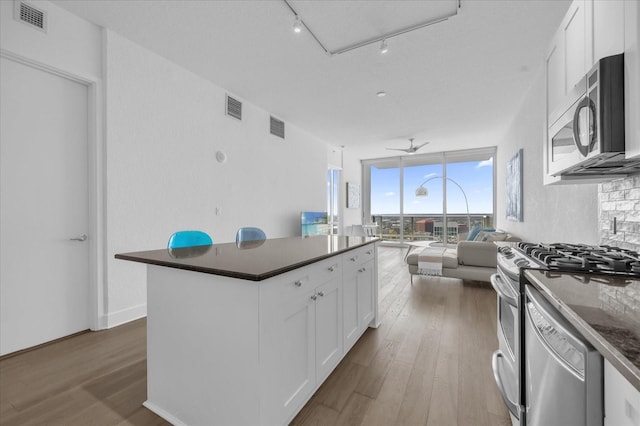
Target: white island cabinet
[{"x": 245, "y": 337}]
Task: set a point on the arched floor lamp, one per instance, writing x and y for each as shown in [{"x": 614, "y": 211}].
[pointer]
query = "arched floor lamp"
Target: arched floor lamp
[{"x": 421, "y": 191}]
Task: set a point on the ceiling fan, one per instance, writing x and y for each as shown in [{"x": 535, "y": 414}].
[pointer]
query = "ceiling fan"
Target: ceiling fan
[{"x": 412, "y": 149}]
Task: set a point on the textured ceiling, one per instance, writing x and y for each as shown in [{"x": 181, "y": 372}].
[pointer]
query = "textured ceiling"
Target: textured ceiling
[{"x": 456, "y": 83}]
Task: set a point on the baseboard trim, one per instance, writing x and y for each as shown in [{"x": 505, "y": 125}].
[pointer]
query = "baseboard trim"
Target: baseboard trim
[
  {"x": 42, "y": 345},
  {"x": 126, "y": 315},
  {"x": 162, "y": 413}
]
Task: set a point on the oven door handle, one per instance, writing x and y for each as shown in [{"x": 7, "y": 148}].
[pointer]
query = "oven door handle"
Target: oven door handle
[
  {"x": 513, "y": 407},
  {"x": 497, "y": 283}
]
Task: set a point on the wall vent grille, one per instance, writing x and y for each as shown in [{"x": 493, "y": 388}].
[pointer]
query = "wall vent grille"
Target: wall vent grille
[
  {"x": 30, "y": 15},
  {"x": 277, "y": 127},
  {"x": 234, "y": 108}
]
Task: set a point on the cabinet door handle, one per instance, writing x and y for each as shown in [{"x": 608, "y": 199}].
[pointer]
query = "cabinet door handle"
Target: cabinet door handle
[
  {"x": 332, "y": 268},
  {"x": 369, "y": 252},
  {"x": 321, "y": 294},
  {"x": 354, "y": 258},
  {"x": 298, "y": 283},
  {"x": 362, "y": 269},
  {"x": 314, "y": 297}
]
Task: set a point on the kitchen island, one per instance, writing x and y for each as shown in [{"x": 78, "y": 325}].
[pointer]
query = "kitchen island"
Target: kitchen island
[{"x": 245, "y": 334}]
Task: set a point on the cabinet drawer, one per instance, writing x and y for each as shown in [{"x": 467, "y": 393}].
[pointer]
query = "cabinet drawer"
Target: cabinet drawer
[
  {"x": 296, "y": 284},
  {"x": 326, "y": 270},
  {"x": 354, "y": 258},
  {"x": 300, "y": 281}
]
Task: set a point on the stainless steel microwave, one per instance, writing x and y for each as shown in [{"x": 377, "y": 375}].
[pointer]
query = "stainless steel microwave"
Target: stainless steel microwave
[{"x": 588, "y": 139}]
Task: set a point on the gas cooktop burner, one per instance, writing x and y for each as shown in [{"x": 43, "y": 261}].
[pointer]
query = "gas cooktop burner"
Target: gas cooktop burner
[{"x": 584, "y": 258}]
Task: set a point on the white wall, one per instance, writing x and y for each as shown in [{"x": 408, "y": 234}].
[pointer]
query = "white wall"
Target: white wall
[
  {"x": 70, "y": 44},
  {"x": 562, "y": 213},
  {"x": 164, "y": 126}
]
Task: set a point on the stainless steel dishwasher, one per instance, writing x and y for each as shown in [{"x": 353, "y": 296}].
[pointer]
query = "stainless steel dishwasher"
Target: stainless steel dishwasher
[{"x": 563, "y": 372}]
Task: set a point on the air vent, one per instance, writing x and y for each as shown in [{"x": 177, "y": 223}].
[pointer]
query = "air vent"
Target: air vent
[
  {"x": 234, "y": 108},
  {"x": 31, "y": 16},
  {"x": 277, "y": 127}
]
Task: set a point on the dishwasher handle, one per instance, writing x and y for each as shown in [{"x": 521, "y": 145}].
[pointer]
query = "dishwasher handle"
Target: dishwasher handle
[{"x": 512, "y": 406}]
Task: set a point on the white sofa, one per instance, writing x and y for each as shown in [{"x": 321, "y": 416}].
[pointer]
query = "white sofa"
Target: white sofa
[{"x": 468, "y": 260}]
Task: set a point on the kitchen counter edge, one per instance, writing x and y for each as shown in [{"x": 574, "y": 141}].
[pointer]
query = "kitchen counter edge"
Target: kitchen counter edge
[{"x": 141, "y": 258}]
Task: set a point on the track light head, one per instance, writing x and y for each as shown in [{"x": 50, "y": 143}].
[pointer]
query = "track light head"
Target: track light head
[
  {"x": 297, "y": 25},
  {"x": 384, "y": 47}
]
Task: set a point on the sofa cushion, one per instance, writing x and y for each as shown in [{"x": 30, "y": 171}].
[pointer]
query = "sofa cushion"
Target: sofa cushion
[
  {"x": 482, "y": 233},
  {"x": 476, "y": 253},
  {"x": 473, "y": 233},
  {"x": 450, "y": 258},
  {"x": 495, "y": 236}
]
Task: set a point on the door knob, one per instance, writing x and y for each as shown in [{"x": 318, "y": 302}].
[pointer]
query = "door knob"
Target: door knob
[{"x": 82, "y": 237}]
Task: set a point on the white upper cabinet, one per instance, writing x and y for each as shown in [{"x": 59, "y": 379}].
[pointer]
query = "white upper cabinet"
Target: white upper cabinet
[
  {"x": 632, "y": 78},
  {"x": 574, "y": 30},
  {"x": 606, "y": 37},
  {"x": 555, "y": 69},
  {"x": 590, "y": 30},
  {"x": 566, "y": 62}
]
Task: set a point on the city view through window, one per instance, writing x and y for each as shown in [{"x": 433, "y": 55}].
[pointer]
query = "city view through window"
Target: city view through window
[{"x": 403, "y": 216}]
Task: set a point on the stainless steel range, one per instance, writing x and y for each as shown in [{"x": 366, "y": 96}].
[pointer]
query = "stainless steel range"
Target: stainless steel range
[{"x": 546, "y": 371}]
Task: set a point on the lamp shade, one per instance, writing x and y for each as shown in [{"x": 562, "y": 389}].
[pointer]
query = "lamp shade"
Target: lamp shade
[{"x": 421, "y": 191}]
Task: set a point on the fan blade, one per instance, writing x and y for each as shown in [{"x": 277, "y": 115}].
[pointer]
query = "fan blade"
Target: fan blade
[
  {"x": 399, "y": 149},
  {"x": 417, "y": 147}
]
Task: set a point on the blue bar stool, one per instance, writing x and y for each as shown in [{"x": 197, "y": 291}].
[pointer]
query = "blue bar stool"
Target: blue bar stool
[
  {"x": 250, "y": 234},
  {"x": 189, "y": 239}
]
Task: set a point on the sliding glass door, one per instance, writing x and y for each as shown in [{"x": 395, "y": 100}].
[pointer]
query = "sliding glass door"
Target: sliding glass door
[
  {"x": 385, "y": 200},
  {"x": 430, "y": 197},
  {"x": 424, "y": 215}
]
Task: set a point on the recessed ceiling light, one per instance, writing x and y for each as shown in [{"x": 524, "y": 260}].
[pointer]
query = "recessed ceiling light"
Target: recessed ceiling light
[{"x": 381, "y": 94}]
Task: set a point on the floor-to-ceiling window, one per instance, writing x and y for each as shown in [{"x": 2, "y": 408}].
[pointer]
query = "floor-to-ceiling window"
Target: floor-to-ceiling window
[
  {"x": 430, "y": 197},
  {"x": 385, "y": 199}
]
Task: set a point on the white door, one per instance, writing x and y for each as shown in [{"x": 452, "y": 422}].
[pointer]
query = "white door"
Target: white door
[{"x": 44, "y": 274}]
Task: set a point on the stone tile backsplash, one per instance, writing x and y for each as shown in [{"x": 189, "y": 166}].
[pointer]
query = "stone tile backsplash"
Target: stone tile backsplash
[{"x": 620, "y": 199}]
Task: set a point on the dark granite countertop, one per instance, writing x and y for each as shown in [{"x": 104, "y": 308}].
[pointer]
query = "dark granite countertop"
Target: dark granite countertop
[
  {"x": 254, "y": 261},
  {"x": 605, "y": 309}
]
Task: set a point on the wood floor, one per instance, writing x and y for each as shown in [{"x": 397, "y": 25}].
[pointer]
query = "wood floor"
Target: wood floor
[{"x": 429, "y": 363}]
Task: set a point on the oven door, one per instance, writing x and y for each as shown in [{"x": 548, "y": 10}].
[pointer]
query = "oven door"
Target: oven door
[
  {"x": 507, "y": 315},
  {"x": 504, "y": 362}
]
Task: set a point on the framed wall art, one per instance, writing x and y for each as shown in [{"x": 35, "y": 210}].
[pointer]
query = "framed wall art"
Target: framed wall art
[
  {"x": 514, "y": 187},
  {"x": 353, "y": 195}
]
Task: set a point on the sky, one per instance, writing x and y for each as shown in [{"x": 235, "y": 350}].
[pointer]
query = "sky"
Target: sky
[{"x": 475, "y": 178}]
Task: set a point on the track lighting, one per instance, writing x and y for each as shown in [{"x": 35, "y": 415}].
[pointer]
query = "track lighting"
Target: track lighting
[
  {"x": 297, "y": 25},
  {"x": 384, "y": 47}
]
